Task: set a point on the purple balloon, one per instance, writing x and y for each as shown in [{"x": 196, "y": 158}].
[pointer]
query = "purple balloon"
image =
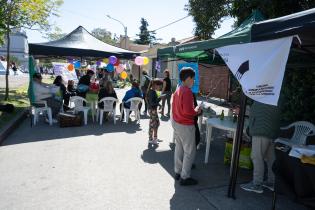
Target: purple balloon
[
  {"x": 112, "y": 59},
  {"x": 98, "y": 63}
]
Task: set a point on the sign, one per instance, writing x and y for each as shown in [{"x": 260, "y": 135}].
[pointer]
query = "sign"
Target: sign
[
  {"x": 62, "y": 70},
  {"x": 194, "y": 66},
  {"x": 259, "y": 67}
]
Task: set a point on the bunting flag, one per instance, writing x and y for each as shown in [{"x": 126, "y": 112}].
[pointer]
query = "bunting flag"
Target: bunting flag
[{"x": 259, "y": 67}]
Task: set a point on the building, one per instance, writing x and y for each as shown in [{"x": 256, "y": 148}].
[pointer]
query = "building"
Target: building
[
  {"x": 214, "y": 80},
  {"x": 18, "y": 48}
]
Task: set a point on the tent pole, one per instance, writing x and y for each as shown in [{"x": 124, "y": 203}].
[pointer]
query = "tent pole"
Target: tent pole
[
  {"x": 139, "y": 73},
  {"x": 237, "y": 147}
]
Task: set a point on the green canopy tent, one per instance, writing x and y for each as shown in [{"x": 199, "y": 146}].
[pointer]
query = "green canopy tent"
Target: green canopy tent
[{"x": 201, "y": 51}]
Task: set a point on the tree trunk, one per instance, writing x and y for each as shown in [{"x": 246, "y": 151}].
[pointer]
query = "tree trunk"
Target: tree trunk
[{"x": 8, "y": 66}]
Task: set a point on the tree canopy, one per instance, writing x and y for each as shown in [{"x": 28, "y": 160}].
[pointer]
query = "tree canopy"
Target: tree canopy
[
  {"x": 24, "y": 14},
  {"x": 104, "y": 35},
  {"x": 55, "y": 34},
  {"x": 208, "y": 14},
  {"x": 145, "y": 36}
]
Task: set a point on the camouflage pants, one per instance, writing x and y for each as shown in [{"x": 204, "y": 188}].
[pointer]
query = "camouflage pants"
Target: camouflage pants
[{"x": 154, "y": 122}]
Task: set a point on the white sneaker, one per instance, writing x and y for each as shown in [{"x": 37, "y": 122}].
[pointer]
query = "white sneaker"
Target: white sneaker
[
  {"x": 54, "y": 121},
  {"x": 155, "y": 141}
]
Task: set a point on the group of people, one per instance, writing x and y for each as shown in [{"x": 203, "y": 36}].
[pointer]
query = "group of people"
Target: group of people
[
  {"x": 263, "y": 126},
  {"x": 264, "y": 121}
]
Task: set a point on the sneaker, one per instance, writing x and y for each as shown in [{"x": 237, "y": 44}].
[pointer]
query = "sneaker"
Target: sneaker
[
  {"x": 54, "y": 121},
  {"x": 269, "y": 186},
  {"x": 251, "y": 187},
  {"x": 46, "y": 120},
  {"x": 155, "y": 141},
  {"x": 177, "y": 176},
  {"x": 188, "y": 181}
]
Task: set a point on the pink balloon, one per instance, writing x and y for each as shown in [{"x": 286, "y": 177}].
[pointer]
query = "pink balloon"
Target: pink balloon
[
  {"x": 139, "y": 60},
  {"x": 120, "y": 68}
]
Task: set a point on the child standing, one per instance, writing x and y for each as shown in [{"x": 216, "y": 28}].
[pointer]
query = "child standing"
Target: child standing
[
  {"x": 184, "y": 112},
  {"x": 153, "y": 102}
]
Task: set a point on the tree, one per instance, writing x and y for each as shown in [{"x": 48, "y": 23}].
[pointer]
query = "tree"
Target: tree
[
  {"x": 207, "y": 15},
  {"x": 241, "y": 9},
  {"x": 55, "y": 34},
  {"x": 146, "y": 36},
  {"x": 104, "y": 35},
  {"x": 24, "y": 14}
]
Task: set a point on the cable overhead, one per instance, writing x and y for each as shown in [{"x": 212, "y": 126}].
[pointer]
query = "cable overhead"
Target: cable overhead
[{"x": 170, "y": 23}]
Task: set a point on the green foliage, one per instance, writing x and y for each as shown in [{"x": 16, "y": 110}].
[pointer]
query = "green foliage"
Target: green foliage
[
  {"x": 207, "y": 15},
  {"x": 55, "y": 34},
  {"x": 297, "y": 100},
  {"x": 241, "y": 9},
  {"x": 104, "y": 35},
  {"x": 145, "y": 36}
]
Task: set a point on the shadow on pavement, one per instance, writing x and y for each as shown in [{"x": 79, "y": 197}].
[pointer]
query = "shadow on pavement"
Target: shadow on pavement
[{"x": 43, "y": 132}]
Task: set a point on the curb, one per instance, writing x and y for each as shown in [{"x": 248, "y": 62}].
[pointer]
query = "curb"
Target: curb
[{"x": 8, "y": 129}]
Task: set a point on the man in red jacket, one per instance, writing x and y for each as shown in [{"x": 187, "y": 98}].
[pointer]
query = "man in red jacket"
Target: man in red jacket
[{"x": 183, "y": 112}]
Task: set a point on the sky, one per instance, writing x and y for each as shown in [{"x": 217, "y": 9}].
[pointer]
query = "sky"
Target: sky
[{"x": 92, "y": 14}]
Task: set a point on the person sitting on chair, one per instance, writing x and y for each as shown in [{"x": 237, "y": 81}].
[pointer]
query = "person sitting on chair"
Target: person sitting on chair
[
  {"x": 133, "y": 92},
  {"x": 45, "y": 92},
  {"x": 107, "y": 90},
  {"x": 84, "y": 83}
]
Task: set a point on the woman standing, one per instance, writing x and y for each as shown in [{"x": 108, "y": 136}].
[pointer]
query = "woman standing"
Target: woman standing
[{"x": 166, "y": 92}]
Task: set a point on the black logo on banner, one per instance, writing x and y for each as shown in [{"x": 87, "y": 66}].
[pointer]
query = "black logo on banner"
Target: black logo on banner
[{"x": 244, "y": 67}]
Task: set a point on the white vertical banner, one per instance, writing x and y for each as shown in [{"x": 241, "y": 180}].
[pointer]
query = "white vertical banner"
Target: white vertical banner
[{"x": 259, "y": 67}]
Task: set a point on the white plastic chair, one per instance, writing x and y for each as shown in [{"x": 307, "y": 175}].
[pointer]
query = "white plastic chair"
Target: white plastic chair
[
  {"x": 77, "y": 102},
  {"x": 302, "y": 130},
  {"x": 134, "y": 106},
  {"x": 37, "y": 110},
  {"x": 108, "y": 107}
]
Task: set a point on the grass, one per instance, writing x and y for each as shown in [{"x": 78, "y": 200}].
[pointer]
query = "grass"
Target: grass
[{"x": 17, "y": 97}]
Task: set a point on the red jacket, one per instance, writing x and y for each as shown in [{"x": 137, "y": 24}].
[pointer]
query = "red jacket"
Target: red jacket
[{"x": 183, "y": 108}]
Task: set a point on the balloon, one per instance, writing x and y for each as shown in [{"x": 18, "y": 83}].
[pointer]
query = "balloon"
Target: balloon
[
  {"x": 123, "y": 75},
  {"x": 139, "y": 60},
  {"x": 70, "y": 67},
  {"x": 117, "y": 63},
  {"x": 120, "y": 68},
  {"x": 77, "y": 64},
  {"x": 106, "y": 60},
  {"x": 145, "y": 60},
  {"x": 110, "y": 67},
  {"x": 112, "y": 59},
  {"x": 98, "y": 63}
]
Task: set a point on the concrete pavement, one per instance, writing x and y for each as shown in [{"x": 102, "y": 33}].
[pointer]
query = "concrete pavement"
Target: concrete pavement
[{"x": 112, "y": 167}]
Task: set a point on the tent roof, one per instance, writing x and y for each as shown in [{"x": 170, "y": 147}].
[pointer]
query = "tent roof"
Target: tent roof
[
  {"x": 79, "y": 43},
  {"x": 200, "y": 49},
  {"x": 301, "y": 24}
]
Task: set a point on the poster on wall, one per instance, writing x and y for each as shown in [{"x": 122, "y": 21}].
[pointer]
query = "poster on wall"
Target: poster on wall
[
  {"x": 194, "y": 66},
  {"x": 62, "y": 70}
]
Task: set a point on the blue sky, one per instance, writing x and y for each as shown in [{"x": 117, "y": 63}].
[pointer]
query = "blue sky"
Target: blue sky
[{"x": 92, "y": 14}]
